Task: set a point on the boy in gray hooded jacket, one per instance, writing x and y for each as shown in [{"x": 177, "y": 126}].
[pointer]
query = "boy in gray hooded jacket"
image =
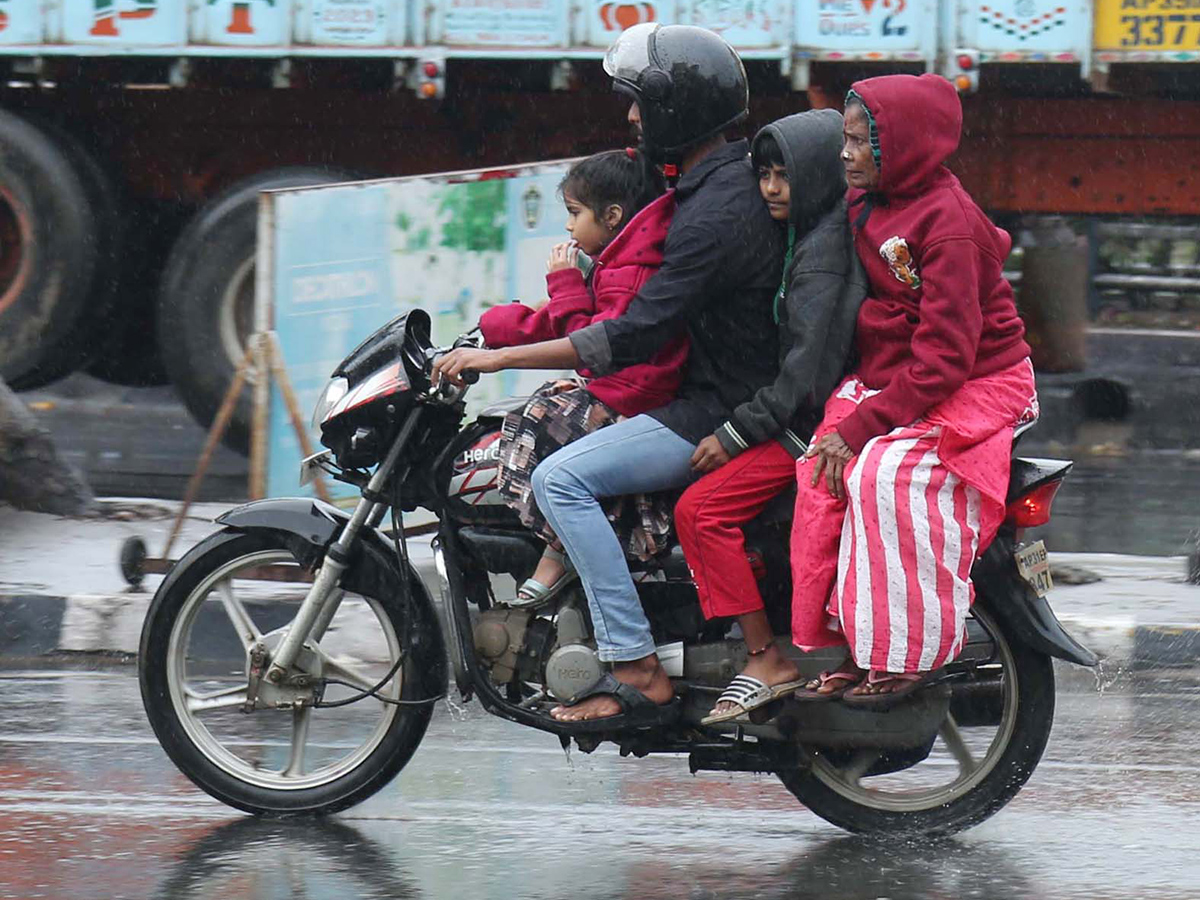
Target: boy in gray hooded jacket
[{"x": 751, "y": 458}]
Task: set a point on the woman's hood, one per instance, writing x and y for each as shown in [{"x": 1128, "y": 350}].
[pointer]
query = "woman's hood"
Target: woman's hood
[
  {"x": 811, "y": 145},
  {"x": 918, "y": 119}
]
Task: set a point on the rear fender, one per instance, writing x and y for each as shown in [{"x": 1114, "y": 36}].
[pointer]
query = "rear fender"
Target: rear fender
[
  {"x": 1028, "y": 473},
  {"x": 311, "y": 526},
  {"x": 1001, "y": 589}
]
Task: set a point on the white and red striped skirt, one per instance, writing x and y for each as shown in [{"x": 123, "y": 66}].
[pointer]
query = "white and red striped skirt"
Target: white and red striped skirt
[{"x": 887, "y": 570}]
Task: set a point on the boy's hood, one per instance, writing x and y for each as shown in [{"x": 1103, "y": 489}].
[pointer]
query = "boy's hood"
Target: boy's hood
[
  {"x": 811, "y": 144},
  {"x": 919, "y": 122}
]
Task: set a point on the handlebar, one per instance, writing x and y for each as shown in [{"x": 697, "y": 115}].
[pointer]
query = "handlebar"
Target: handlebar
[{"x": 446, "y": 392}]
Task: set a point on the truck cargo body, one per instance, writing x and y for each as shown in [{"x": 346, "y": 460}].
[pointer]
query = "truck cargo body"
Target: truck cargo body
[{"x": 137, "y": 133}]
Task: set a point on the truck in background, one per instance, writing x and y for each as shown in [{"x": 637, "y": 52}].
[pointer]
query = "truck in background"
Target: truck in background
[{"x": 137, "y": 134}]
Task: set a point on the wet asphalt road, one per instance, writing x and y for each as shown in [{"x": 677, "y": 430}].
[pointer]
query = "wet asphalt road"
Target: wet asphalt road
[{"x": 90, "y": 807}]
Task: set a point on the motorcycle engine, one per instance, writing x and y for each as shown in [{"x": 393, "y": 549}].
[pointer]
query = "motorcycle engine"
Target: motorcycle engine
[
  {"x": 518, "y": 647},
  {"x": 511, "y": 643},
  {"x": 571, "y": 670}
]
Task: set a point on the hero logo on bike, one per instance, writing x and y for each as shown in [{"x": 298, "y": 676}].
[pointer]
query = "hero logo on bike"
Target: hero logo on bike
[{"x": 476, "y": 470}]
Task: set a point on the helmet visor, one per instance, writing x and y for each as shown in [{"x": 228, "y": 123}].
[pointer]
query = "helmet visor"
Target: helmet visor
[{"x": 629, "y": 56}]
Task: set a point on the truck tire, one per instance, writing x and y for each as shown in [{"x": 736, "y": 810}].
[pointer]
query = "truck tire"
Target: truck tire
[
  {"x": 48, "y": 257},
  {"x": 88, "y": 339},
  {"x": 205, "y": 306}
]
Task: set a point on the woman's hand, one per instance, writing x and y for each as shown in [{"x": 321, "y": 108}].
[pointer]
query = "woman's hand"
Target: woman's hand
[
  {"x": 832, "y": 454},
  {"x": 710, "y": 455},
  {"x": 452, "y": 364},
  {"x": 563, "y": 256}
]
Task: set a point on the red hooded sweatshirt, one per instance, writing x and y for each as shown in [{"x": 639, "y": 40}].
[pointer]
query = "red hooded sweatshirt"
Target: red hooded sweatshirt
[
  {"x": 938, "y": 310},
  {"x": 618, "y": 274}
]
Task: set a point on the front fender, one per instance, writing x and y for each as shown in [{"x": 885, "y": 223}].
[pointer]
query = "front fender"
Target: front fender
[
  {"x": 316, "y": 521},
  {"x": 1001, "y": 589},
  {"x": 312, "y": 525}
]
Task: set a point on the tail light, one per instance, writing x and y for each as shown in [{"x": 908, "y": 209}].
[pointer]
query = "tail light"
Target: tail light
[{"x": 1032, "y": 508}]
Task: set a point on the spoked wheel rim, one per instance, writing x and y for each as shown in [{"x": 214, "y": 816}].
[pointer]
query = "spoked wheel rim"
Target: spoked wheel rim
[
  {"x": 194, "y": 706},
  {"x": 973, "y": 766}
]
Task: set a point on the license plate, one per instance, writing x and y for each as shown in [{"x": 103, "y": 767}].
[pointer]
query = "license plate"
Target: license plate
[{"x": 1034, "y": 566}]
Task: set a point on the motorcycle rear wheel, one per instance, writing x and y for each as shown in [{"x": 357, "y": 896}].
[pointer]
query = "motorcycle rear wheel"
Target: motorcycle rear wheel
[
  {"x": 193, "y": 678},
  {"x": 849, "y": 794}
]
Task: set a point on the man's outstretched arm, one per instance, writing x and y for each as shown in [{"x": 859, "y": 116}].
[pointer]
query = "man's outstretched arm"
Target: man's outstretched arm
[{"x": 556, "y": 354}]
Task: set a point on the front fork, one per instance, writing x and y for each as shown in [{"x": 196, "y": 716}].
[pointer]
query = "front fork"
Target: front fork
[{"x": 323, "y": 598}]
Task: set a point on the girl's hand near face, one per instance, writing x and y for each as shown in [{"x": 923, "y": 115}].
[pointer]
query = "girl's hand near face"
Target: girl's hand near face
[{"x": 563, "y": 256}]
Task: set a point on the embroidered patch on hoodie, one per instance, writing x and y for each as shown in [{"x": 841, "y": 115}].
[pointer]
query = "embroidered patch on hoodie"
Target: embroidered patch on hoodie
[{"x": 899, "y": 259}]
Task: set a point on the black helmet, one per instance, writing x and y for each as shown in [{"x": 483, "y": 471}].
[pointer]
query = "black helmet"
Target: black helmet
[{"x": 687, "y": 81}]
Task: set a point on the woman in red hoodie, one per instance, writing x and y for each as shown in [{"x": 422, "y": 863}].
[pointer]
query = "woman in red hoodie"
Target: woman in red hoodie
[
  {"x": 618, "y": 215},
  {"x": 914, "y": 447}
]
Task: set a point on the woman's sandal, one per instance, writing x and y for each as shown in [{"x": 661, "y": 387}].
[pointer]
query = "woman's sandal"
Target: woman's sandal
[
  {"x": 533, "y": 593},
  {"x": 812, "y": 693},
  {"x": 911, "y": 682},
  {"x": 748, "y": 694}
]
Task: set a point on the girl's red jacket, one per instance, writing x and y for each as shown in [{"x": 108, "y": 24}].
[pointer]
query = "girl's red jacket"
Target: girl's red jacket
[{"x": 619, "y": 272}]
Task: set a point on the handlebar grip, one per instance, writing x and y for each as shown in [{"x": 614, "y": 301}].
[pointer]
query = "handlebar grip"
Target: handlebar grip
[{"x": 469, "y": 376}]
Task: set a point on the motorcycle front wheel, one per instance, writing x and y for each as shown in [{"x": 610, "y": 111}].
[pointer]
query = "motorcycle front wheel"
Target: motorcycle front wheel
[
  {"x": 971, "y": 770},
  {"x": 235, "y": 590}
]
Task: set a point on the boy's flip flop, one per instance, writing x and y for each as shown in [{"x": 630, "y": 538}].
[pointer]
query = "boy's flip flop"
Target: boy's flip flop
[
  {"x": 637, "y": 710},
  {"x": 749, "y": 693}
]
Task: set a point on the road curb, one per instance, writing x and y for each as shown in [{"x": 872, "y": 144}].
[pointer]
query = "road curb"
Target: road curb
[{"x": 33, "y": 625}]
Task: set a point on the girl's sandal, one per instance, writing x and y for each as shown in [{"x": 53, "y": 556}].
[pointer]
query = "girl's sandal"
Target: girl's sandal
[{"x": 533, "y": 593}]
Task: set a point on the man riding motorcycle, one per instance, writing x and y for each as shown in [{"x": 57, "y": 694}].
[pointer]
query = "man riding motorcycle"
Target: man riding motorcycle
[{"x": 720, "y": 271}]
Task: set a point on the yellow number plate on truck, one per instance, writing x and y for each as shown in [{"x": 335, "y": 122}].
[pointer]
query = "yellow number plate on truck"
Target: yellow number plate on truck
[
  {"x": 1034, "y": 566},
  {"x": 1147, "y": 25}
]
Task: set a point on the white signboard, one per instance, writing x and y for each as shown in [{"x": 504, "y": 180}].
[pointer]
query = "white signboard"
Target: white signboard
[{"x": 348, "y": 258}]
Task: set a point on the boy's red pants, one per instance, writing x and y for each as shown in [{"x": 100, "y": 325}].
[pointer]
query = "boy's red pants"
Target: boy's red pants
[{"x": 709, "y": 519}]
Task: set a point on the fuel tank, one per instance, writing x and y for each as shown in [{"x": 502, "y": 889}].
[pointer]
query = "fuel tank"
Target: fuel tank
[{"x": 470, "y": 477}]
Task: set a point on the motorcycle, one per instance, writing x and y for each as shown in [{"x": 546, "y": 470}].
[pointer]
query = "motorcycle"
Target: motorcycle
[{"x": 291, "y": 661}]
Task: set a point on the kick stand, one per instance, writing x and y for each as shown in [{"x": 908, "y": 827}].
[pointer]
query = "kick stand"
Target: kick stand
[{"x": 264, "y": 358}]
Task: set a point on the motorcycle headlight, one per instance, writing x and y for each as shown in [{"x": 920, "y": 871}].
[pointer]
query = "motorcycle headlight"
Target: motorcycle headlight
[{"x": 330, "y": 397}]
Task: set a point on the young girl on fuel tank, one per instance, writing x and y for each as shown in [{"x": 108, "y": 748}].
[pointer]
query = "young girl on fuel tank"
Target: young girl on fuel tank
[{"x": 618, "y": 214}]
